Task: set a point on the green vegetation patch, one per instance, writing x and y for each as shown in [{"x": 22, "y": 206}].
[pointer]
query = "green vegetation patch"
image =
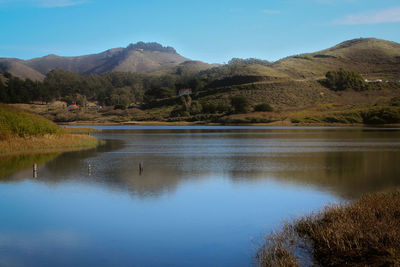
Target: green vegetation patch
[
  {"x": 263, "y": 107},
  {"x": 342, "y": 79},
  {"x": 358, "y": 114},
  {"x": 19, "y": 123},
  {"x": 382, "y": 115}
]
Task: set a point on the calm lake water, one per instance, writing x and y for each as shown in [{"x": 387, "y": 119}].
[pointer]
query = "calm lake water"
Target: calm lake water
[{"x": 206, "y": 197}]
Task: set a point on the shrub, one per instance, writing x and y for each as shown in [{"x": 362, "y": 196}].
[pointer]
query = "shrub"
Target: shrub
[
  {"x": 240, "y": 104},
  {"x": 395, "y": 101},
  {"x": 263, "y": 107},
  {"x": 381, "y": 115},
  {"x": 120, "y": 106},
  {"x": 195, "y": 108},
  {"x": 209, "y": 107},
  {"x": 341, "y": 80},
  {"x": 221, "y": 108},
  {"x": 179, "y": 111}
]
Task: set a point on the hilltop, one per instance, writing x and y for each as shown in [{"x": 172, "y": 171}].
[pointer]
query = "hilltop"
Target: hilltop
[{"x": 373, "y": 58}]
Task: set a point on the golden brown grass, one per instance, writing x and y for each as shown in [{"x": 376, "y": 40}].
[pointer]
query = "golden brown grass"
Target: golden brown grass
[
  {"x": 47, "y": 143},
  {"x": 364, "y": 233}
]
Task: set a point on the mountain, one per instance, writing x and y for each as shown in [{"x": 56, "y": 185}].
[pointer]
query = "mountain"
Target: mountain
[
  {"x": 373, "y": 58},
  {"x": 140, "y": 57},
  {"x": 17, "y": 67}
]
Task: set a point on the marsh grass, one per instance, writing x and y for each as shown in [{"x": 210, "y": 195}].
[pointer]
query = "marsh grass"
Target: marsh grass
[
  {"x": 23, "y": 133},
  {"x": 363, "y": 233},
  {"x": 15, "y": 122}
]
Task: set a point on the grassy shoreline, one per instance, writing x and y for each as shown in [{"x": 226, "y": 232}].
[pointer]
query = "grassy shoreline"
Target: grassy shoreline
[
  {"x": 22, "y": 132},
  {"x": 201, "y": 123},
  {"x": 46, "y": 144},
  {"x": 345, "y": 114},
  {"x": 362, "y": 233}
]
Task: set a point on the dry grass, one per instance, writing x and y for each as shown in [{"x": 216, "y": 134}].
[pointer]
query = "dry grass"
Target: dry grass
[
  {"x": 364, "y": 233},
  {"x": 47, "y": 143},
  {"x": 279, "y": 249}
]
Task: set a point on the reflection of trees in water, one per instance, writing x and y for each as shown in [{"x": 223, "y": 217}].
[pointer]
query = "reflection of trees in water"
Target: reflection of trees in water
[
  {"x": 67, "y": 163},
  {"x": 348, "y": 174},
  {"x": 55, "y": 163},
  {"x": 243, "y": 158},
  {"x": 356, "y": 173},
  {"x": 12, "y": 164}
]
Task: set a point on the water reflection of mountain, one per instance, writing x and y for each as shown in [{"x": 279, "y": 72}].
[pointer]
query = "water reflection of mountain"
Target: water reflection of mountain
[{"x": 346, "y": 162}]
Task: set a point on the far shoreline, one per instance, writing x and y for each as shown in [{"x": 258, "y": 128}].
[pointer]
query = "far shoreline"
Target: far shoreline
[{"x": 201, "y": 123}]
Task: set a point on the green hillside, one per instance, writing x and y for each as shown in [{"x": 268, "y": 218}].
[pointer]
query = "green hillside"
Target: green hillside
[{"x": 373, "y": 58}]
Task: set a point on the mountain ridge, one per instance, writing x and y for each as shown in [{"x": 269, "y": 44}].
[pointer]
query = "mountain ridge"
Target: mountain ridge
[
  {"x": 368, "y": 56},
  {"x": 140, "y": 57}
]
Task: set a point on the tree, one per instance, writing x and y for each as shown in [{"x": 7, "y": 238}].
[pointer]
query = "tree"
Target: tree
[
  {"x": 240, "y": 104},
  {"x": 209, "y": 107},
  {"x": 342, "y": 79},
  {"x": 3, "y": 92}
]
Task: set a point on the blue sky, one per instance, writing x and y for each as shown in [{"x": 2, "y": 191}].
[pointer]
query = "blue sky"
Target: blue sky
[{"x": 211, "y": 31}]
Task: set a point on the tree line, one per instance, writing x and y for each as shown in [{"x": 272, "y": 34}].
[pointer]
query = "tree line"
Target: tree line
[
  {"x": 121, "y": 88},
  {"x": 114, "y": 88}
]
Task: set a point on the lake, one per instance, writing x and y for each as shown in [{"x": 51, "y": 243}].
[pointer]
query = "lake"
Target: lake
[{"x": 206, "y": 196}]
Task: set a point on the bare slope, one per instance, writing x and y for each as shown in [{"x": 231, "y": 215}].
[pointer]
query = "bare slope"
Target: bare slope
[
  {"x": 18, "y": 68},
  {"x": 140, "y": 57}
]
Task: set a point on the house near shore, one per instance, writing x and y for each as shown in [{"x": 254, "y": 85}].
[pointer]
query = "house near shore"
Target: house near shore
[
  {"x": 72, "y": 107},
  {"x": 185, "y": 91}
]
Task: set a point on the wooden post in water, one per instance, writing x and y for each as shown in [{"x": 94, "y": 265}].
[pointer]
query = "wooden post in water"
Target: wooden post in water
[
  {"x": 35, "y": 170},
  {"x": 141, "y": 167},
  {"x": 89, "y": 169}
]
